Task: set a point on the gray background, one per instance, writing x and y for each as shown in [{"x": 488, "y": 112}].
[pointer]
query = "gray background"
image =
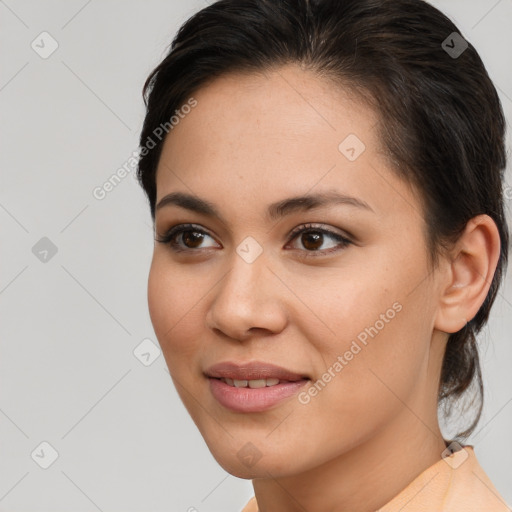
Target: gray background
[{"x": 70, "y": 324}]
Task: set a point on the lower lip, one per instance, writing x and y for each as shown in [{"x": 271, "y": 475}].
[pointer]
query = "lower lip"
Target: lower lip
[{"x": 253, "y": 400}]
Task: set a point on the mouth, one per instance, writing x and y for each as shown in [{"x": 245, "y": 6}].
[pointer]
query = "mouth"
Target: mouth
[{"x": 252, "y": 387}]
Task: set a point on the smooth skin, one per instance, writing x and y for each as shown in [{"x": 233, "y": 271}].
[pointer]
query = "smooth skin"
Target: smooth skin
[{"x": 256, "y": 139}]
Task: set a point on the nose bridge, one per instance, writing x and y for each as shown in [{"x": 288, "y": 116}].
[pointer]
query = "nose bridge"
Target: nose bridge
[
  {"x": 244, "y": 282},
  {"x": 245, "y": 298}
]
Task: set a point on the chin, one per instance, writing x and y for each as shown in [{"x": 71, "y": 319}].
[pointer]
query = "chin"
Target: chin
[{"x": 244, "y": 460}]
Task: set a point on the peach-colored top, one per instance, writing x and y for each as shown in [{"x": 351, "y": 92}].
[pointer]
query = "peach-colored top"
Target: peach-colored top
[{"x": 456, "y": 483}]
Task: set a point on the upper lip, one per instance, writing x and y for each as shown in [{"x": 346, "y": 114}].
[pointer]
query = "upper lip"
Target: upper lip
[{"x": 251, "y": 371}]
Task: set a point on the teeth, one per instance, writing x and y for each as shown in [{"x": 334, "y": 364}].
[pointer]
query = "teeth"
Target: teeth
[{"x": 254, "y": 384}]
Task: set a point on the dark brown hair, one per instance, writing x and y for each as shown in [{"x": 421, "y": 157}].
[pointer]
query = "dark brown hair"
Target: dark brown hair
[{"x": 441, "y": 120}]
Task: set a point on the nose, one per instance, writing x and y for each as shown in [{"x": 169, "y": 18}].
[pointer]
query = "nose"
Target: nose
[{"x": 247, "y": 301}]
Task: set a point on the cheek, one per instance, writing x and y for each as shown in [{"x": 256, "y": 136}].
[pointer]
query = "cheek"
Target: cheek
[
  {"x": 373, "y": 343},
  {"x": 384, "y": 301},
  {"x": 161, "y": 300},
  {"x": 174, "y": 304}
]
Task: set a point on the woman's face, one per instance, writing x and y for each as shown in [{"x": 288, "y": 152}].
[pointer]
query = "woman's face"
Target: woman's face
[{"x": 348, "y": 307}]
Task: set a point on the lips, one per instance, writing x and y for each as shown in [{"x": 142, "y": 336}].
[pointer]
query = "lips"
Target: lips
[
  {"x": 252, "y": 387},
  {"x": 252, "y": 371}
]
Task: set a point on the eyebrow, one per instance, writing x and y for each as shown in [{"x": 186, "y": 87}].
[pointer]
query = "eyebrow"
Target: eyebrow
[{"x": 275, "y": 210}]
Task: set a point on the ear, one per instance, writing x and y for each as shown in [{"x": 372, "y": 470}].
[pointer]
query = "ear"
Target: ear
[{"x": 470, "y": 273}]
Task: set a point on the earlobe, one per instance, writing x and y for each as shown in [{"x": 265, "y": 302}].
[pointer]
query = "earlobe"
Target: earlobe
[{"x": 470, "y": 274}]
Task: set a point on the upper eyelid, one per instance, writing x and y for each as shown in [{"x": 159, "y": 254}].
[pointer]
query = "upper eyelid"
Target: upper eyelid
[{"x": 309, "y": 227}]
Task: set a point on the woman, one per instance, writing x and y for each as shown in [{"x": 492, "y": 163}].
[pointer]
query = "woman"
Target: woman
[{"x": 325, "y": 180}]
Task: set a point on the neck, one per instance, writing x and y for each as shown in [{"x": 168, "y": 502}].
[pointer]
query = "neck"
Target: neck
[{"x": 364, "y": 478}]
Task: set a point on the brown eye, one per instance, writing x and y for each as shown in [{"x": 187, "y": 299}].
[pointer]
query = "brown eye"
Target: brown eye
[
  {"x": 186, "y": 237},
  {"x": 314, "y": 241},
  {"x": 192, "y": 239}
]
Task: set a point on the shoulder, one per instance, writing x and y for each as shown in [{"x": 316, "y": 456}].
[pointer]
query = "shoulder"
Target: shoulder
[
  {"x": 470, "y": 487},
  {"x": 456, "y": 483},
  {"x": 251, "y": 506}
]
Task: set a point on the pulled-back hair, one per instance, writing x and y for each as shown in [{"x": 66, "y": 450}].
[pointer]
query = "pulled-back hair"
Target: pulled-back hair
[{"x": 441, "y": 121}]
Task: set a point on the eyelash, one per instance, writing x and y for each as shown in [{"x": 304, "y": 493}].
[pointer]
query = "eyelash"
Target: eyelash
[{"x": 171, "y": 234}]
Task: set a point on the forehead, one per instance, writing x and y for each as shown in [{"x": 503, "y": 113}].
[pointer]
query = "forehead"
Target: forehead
[{"x": 282, "y": 133}]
